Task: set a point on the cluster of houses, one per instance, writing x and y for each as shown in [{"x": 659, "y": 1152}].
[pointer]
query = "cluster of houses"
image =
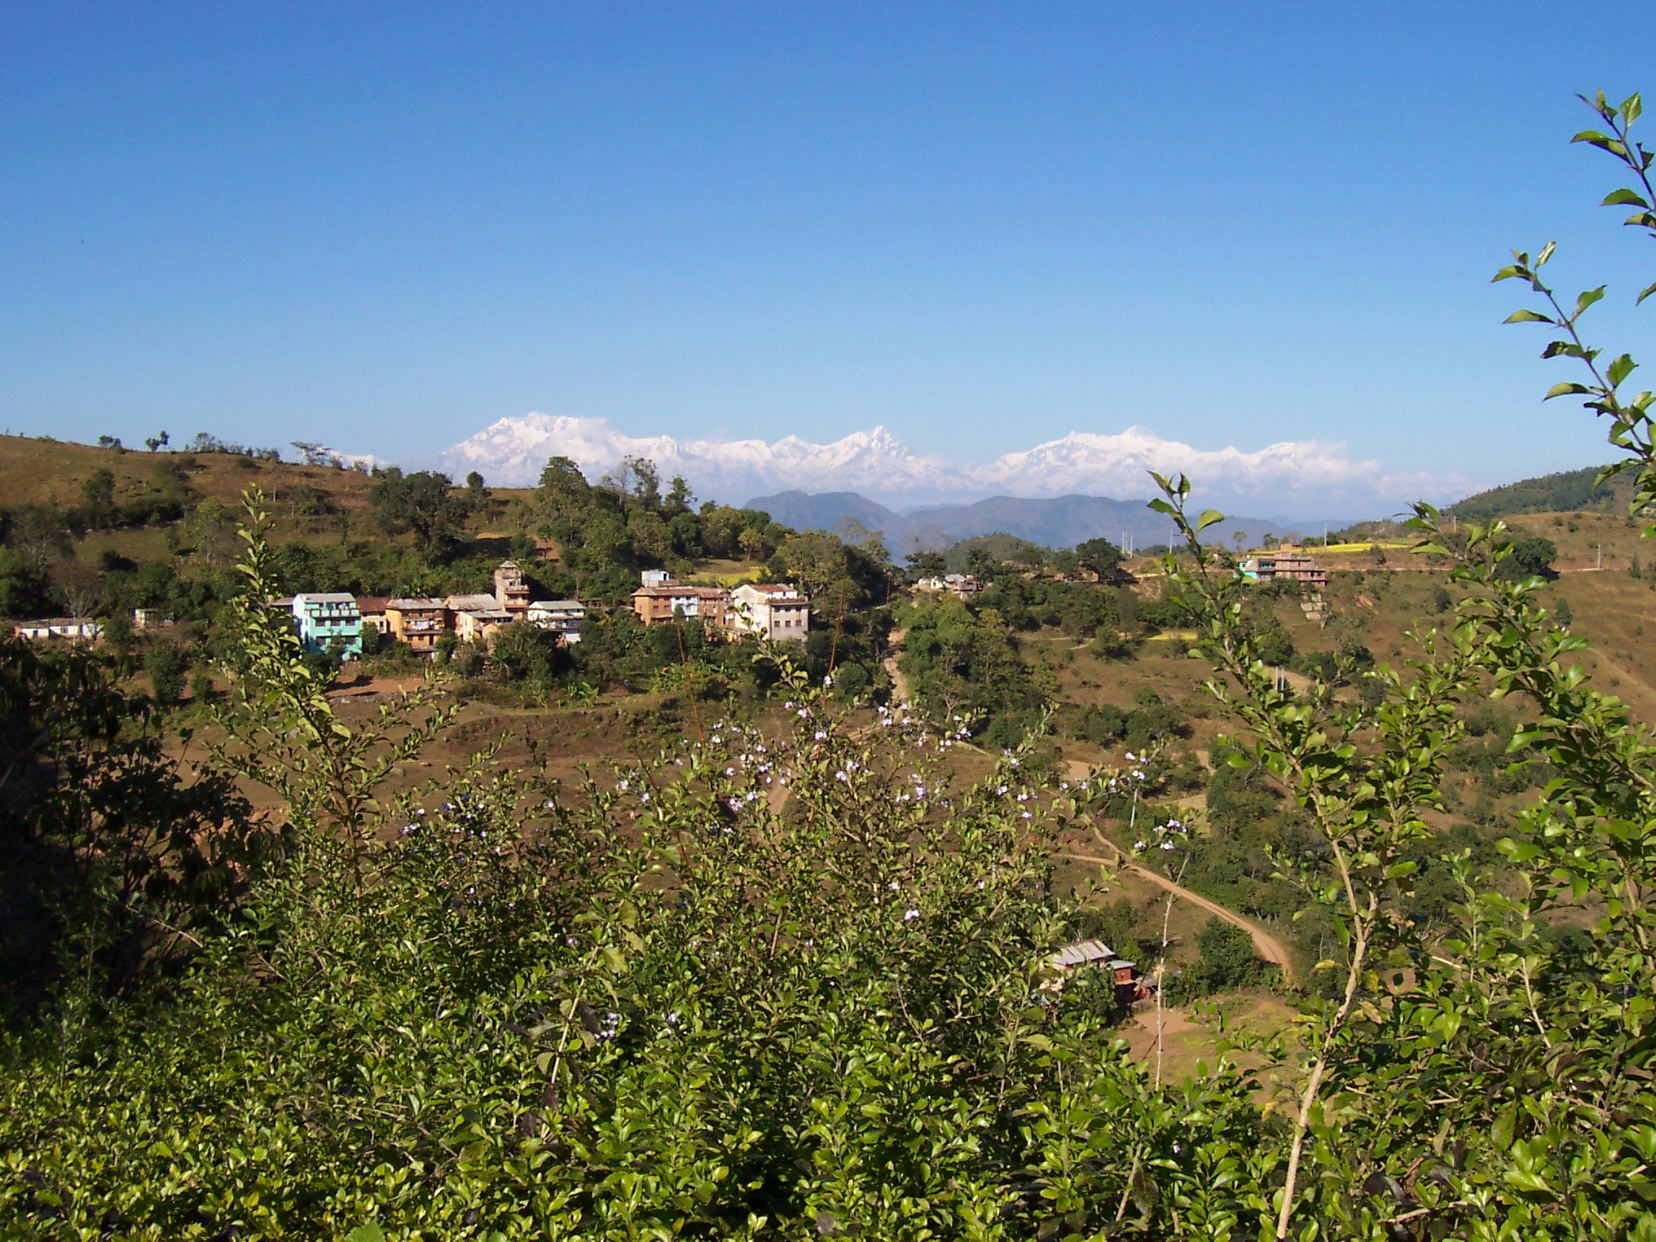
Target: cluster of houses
[
  {"x": 334, "y": 620},
  {"x": 961, "y": 586},
  {"x": 777, "y": 611}
]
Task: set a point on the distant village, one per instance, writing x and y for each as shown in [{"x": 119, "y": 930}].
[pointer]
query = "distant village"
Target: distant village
[
  {"x": 779, "y": 612},
  {"x": 334, "y": 621}
]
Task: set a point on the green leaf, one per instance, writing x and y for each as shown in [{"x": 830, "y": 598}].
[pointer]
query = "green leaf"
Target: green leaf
[
  {"x": 368, "y": 1231},
  {"x": 1563, "y": 390},
  {"x": 1527, "y": 316},
  {"x": 1620, "y": 369},
  {"x": 1501, "y": 1135},
  {"x": 1631, "y": 109},
  {"x": 1546, "y": 253},
  {"x": 1587, "y": 297},
  {"x": 1624, "y": 198},
  {"x": 1208, "y": 518},
  {"x": 1604, "y": 142}
]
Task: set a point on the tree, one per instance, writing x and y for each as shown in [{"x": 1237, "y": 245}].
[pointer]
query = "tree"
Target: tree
[
  {"x": 1531, "y": 555},
  {"x": 1227, "y": 955},
  {"x": 1101, "y": 556},
  {"x": 680, "y": 499},
  {"x": 477, "y": 496},
  {"x": 926, "y": 565},
  {"x": 98, "y": 497},
  {"x": 167, "y": 668},
  {"x": 422, "y": 503}
]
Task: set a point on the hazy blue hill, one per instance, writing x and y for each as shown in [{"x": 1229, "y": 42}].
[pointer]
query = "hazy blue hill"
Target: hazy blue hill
[
  {"x": 1552, "y": 493},
  {"x": 824, "y": 510},
  {"x": 1060, "y": 522}
]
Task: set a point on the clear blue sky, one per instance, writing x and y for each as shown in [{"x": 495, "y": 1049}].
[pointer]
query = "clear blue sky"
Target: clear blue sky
[{"x": 386, "y": 226}]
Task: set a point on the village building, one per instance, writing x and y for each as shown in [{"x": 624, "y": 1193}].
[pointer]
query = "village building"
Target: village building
[
  {"x": 511, "y": 591},
  {"x": 480, "y": 625},
  {"x": 961, "y": 586},
  {"x": 1096, "y": 953},
  {"x": 771, "y": 610},
  {"x": 75, "y": 629},
  {"x": 328, "y": 619},
  {"x": 149, "y": 619},
  {"x": 660, "y": 600},
  {"x": 562, "y": 616},
  {"x": 457, "y": 604},
  {"x": 1286, "y": 564},
  {"x": 371, "y": 610},
  {"x": 417, "y": 622}
]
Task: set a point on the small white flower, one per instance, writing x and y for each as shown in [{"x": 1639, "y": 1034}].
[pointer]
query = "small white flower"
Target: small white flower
[
  {"x": 909, "y": 915},
  {"x": 1139, "y": 845}
]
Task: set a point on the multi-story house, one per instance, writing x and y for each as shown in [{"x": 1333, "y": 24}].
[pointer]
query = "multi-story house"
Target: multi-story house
[
  {"x": 480, "y": 625},
  {"x": 327, "y": 619},
  {"x": 562, "y": 616},
  {"x": 473, "y": 618},
  {"x": 771, "y": 610},
  {"x": 371, "y": 609},
  {"x": 511, "y": 591},
  {"x": 417, "y": 622},
  {"x": 1285, "y": 565},
  {"x": 661, "y": 599}
]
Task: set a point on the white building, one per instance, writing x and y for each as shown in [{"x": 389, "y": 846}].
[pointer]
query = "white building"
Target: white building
[
  {"x": 958, "y": 585},
  {"x": 561, "y": 616},
  {"x": 80, "y": 628},
  {"x": 772, "y": 610}
]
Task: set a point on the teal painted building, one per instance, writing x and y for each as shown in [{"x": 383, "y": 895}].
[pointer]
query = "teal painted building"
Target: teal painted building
[{"x": 325, "y": 617}]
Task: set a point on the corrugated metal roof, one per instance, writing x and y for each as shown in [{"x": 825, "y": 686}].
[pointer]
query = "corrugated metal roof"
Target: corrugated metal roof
[{"x": 1082, "y": 951}]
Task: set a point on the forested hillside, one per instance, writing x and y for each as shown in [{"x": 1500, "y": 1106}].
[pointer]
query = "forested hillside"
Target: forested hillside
[{"x": 1570, "y": 490}]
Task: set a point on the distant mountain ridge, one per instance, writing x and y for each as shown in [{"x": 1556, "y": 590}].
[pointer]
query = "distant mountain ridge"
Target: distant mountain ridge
[{"x": 1058, "y": 522}]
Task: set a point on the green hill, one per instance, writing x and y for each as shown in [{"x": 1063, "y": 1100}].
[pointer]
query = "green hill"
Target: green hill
[{"x": 1567, "y": 491}]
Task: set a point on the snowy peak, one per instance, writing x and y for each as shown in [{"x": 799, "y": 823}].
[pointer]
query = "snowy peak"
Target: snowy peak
[{"x": 1291, "y": 477}]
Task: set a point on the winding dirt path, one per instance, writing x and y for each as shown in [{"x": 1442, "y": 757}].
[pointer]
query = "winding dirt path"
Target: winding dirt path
[
  {"x": 899, "y": 679},
  {"x": 1266, "y": 945}
]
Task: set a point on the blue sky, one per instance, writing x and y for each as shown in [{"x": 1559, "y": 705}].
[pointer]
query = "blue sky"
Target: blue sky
[{"x": 981, "y": 226}]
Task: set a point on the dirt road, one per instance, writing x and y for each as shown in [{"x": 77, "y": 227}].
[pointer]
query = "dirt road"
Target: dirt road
[
  {"x": 899, "y": 679},
  {"x": 1267, "y": 946}
]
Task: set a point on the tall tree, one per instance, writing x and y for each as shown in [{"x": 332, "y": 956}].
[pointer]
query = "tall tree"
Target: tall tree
[{"x": 422, "y": 503}]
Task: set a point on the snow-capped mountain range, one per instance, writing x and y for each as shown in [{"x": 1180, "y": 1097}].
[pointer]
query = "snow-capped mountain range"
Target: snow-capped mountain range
[{"x": 1291, "y": 478}]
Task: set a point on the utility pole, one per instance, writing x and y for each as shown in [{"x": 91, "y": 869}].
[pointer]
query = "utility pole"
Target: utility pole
[{"x": 1601, "y": 556}]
